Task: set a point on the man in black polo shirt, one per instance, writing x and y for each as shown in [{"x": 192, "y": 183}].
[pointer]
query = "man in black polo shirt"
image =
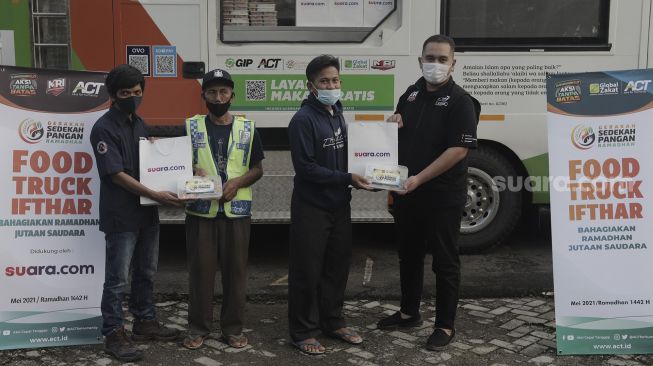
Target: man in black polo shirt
[
  {"x": 437, "y": 121},
  {"x": 131, "y": 230}
]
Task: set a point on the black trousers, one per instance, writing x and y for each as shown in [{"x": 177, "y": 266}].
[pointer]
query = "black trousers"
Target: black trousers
[
  {"x": 320, "y": 256},
  {"x": 421, "y": 227}
]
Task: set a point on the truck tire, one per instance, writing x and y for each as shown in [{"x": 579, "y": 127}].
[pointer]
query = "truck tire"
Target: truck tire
[{"x": 490, "y": 214}]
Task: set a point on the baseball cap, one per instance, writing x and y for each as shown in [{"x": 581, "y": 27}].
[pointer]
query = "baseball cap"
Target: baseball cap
[{"x": 215, "y": 75}]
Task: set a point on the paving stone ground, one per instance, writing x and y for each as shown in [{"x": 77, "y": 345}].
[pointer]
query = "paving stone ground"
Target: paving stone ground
[{"x": 493, "y": 332}]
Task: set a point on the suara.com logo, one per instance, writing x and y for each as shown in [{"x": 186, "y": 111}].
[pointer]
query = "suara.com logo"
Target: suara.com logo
[
  {"x": 583, "y": 137},
  {"x": 31, "y": 131},
  {"x": 50, "y": 270}
]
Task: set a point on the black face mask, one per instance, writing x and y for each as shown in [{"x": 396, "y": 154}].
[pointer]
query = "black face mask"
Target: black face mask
[
  {"x": 218, "y": 109},
  {"x": 129, "y": 104}
]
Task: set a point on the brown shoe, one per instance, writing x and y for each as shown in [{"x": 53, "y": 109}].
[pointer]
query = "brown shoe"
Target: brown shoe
[
  {"x": 118, "y": 345},
  {"x": 145, "y": 330}
]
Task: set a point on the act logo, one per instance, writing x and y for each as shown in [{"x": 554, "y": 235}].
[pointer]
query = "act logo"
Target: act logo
[
  {"x": 56, "y": 86},
  {"x": 639, "y": 86},
  {"x": 31, "y": 131},
  {"x": 87, "y": 89},
  {"x": 269, "y": 63}
]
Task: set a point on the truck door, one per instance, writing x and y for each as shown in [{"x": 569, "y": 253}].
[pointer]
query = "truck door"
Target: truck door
[{"x": 157, "y": 36}]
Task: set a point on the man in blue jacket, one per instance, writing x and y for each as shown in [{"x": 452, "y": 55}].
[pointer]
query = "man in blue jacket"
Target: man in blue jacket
[{"x": 320, "y": 215}]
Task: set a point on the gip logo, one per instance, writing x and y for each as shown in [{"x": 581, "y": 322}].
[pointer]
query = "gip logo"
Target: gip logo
[
  {"x": 583, "y": 137},
  {"x": 31, "y": 131}
]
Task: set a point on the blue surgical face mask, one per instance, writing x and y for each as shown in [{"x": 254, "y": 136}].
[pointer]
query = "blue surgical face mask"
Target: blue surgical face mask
[{"x": 328, "y": 96}]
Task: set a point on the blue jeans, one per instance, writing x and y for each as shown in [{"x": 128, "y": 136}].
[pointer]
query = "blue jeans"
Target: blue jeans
[{"x": 141, "y": 250}]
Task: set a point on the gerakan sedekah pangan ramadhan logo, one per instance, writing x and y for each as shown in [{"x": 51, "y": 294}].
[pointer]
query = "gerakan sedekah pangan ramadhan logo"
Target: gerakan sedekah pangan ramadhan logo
[
  {"x": 583, "y": 137},
  {"x": 31, "y": 131}
]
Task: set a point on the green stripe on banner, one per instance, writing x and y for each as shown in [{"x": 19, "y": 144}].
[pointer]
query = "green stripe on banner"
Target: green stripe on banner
[
  {"x": 601, "y": 336},
  {"x": 50, "y": 334},
  {"x": 285, "y": 92}
]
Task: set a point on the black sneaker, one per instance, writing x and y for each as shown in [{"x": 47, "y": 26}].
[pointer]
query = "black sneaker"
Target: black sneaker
[
  {"x": 395, "y": 320},
  {"x": 439, "y": 340},
  {"x": 145, "y": 330},
  {"x": 118, "y": 345}
]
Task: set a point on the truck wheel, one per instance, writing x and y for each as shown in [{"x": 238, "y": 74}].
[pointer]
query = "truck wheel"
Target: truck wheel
[{"x": 490, "y": 215}]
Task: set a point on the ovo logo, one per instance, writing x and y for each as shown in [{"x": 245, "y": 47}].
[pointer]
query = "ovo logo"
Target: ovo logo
[
  {"x": 583, "y": 137},
  {"x": 31, "y": 131}
]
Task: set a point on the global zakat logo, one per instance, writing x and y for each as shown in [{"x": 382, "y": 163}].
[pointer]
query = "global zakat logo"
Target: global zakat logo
[
  {"x": 604, "y": 88},
  {"x": 617, "y": 135},
  {"x": 383, "y": 65},
  {"x": 31, "y": 131},
  {"x": 22, "y": 85},
  {"x": 87, "y": 89},
  {"x": 56, "y": 86},
  {"x": 356, "y": 64},
  {"x": 583, "y": 137},
  {"x": 568, "y": 91},
  {"x": 636, "y": 86}
]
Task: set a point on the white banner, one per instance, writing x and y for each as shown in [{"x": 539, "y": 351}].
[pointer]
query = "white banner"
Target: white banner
[
  {"x": 373, "y": 143},
  {"x": 163, "y": 163},
  {"x": 51, "y": 251},
  {"x": 600, "y": 128}
]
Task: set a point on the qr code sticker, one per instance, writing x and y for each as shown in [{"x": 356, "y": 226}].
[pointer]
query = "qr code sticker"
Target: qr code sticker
[
  {"x": 141, "y": 63},
  {"x": 255, "y": 90},
  {"x": 165, "y": 64}
]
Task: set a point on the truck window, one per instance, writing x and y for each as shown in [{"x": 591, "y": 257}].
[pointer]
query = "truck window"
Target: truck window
[
  {"x": 50, "y": 33},
  {"x": 522, "y": 25},
  {"x": 312, "y": 21}
]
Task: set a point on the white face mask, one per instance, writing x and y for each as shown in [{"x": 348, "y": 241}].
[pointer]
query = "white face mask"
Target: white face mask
[
  {"x": 435, "y": 73},
  {"x": 328, "y": 96}
]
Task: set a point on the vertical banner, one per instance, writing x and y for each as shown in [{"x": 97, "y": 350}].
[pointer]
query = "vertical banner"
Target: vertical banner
[
  {"x": 51, "y": 251},
  {"x": 600, "y": 128}
]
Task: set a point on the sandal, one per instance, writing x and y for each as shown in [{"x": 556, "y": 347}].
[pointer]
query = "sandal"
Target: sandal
[
  {"x": 346, "y": 335},
  {"x": 235, "y": 341},
  {"x": 303, "y": 346},
  {"x": 191, "y": 342}
]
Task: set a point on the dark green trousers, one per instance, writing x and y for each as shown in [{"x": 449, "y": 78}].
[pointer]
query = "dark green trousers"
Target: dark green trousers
[{"x": 213, "y": 243}]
